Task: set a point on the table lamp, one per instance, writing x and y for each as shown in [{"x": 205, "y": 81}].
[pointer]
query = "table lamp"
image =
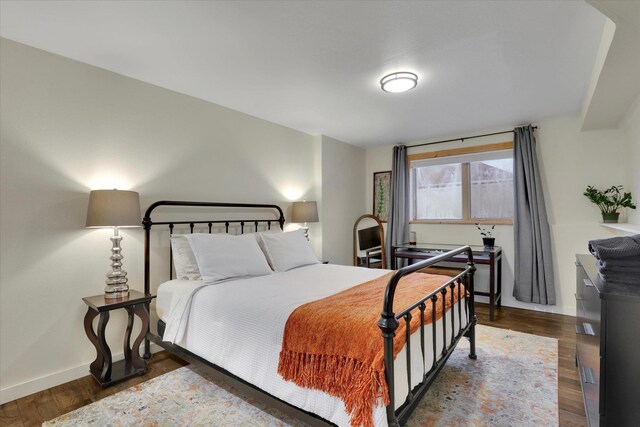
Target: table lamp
[
  {"x": 305, "y": 212},
  {"x": 114, "y": 209}
]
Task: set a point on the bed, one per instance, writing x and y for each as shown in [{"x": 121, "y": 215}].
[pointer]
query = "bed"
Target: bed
[{"x": 235, "y": 329}]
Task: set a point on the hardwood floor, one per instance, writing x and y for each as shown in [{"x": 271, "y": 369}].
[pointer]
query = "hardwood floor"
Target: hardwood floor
[
  {"x": 33, "y": 410},
  {"x": 42, "y": 406}
]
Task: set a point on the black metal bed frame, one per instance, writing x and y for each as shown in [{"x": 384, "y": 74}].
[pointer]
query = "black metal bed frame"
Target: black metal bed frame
[{"x": 388, "y": 323}]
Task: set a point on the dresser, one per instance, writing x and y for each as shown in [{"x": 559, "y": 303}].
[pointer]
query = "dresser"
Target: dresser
[{"x": 607, "y": 347}]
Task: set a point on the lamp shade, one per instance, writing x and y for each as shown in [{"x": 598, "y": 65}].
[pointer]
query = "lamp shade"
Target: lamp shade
[
  {"x": 304, "y": 212},
  {"x": 113, "y": 208}
]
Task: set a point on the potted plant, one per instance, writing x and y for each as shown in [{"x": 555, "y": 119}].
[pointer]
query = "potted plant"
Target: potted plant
[
  {"x": 609, "y": 201},
  {"x": 487, "y": 235}
]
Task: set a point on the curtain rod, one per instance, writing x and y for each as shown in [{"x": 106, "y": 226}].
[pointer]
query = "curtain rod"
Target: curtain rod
[{"x": 463, "y": 138}]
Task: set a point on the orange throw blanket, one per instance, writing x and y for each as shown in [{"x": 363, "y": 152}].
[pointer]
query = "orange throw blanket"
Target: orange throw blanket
[{"x": 334, "y": 344}]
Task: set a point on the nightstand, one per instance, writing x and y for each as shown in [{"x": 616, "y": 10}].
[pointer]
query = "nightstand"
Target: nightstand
[{"x": 103, "y": 369}]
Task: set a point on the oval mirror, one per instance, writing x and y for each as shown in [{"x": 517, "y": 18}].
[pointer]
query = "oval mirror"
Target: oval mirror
[{"x": 368, "y": 242}]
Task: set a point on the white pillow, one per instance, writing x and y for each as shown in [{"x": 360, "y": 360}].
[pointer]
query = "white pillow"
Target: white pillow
[
  {"x": 288, "y": 250},
  {"x": 184, "y": 260},
  {"x": 224, "y": 256}
]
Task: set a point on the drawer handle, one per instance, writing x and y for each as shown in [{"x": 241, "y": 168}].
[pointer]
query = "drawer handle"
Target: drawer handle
[
  {"x": 588, "y": 329},
  {"x": 577, "y": 298},
  {"x": 588, "y": 283},
  {"x": 587, "y": 375}
]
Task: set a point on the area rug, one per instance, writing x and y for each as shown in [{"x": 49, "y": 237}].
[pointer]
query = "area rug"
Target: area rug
[{"x": 514, "y": 382}]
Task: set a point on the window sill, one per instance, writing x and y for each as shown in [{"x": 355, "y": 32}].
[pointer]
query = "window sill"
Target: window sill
[{"x": 463, "y": 221}]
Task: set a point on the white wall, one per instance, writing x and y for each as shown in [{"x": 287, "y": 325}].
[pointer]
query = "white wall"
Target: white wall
[
  {"x": 569, "y": 161},
  {"x": 66, "y": 128},
  {"x": 631, "y": 126},
  {"x": 342, "y": 185}
]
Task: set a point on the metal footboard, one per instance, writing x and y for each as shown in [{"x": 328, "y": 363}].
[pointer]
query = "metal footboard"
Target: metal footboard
[{"x": 390, "y": 321}]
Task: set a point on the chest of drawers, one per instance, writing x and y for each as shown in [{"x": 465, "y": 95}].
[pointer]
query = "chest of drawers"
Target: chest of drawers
[{"x": 607, "y": 347}]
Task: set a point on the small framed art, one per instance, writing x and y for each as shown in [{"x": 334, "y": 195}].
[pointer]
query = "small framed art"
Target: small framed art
[{"x": 381, "y": 194}]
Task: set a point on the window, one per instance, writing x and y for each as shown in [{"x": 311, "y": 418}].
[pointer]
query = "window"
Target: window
[
  {"x": 491, "y": 190},
  {"x": 457, "y": 186},
  {"x": 438, "y": 191}
]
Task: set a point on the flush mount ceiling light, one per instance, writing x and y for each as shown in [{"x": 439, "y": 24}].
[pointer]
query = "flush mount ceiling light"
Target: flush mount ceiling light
[{"x": 399, "y": 82}]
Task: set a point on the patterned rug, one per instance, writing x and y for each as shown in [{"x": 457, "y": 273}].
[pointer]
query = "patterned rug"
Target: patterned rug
[{"x": 514, "y": 382}]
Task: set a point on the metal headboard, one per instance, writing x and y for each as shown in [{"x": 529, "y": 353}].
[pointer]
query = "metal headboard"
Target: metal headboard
[{"x": 148, "y": 223}]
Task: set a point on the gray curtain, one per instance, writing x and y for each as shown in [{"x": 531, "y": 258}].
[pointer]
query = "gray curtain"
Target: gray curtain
[
  {"x": 398, "y": 225},
  {"x": 533, "y": 266}
]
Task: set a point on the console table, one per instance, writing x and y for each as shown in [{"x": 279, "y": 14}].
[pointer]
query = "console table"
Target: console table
[{"x": 481, "y": 255}]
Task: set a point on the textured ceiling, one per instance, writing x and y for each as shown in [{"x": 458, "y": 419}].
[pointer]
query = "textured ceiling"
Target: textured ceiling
[{"x": 315, "y": 66}]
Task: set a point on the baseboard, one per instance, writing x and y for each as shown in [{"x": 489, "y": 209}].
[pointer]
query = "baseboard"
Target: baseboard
[
  {"x": 26, "y": 388},
  {"x": 554, "y": 309}
]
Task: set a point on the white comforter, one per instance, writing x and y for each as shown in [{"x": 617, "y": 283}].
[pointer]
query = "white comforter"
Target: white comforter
[{"x": 238, "y": 325}]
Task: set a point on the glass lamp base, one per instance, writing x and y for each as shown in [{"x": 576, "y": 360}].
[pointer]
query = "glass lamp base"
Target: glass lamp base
[
  {"x": 116, "y": 278},
  {"x": 113, "y": 292}
]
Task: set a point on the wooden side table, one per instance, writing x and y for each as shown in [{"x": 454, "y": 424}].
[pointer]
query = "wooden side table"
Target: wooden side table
[{"x": 103, "y": 369}]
